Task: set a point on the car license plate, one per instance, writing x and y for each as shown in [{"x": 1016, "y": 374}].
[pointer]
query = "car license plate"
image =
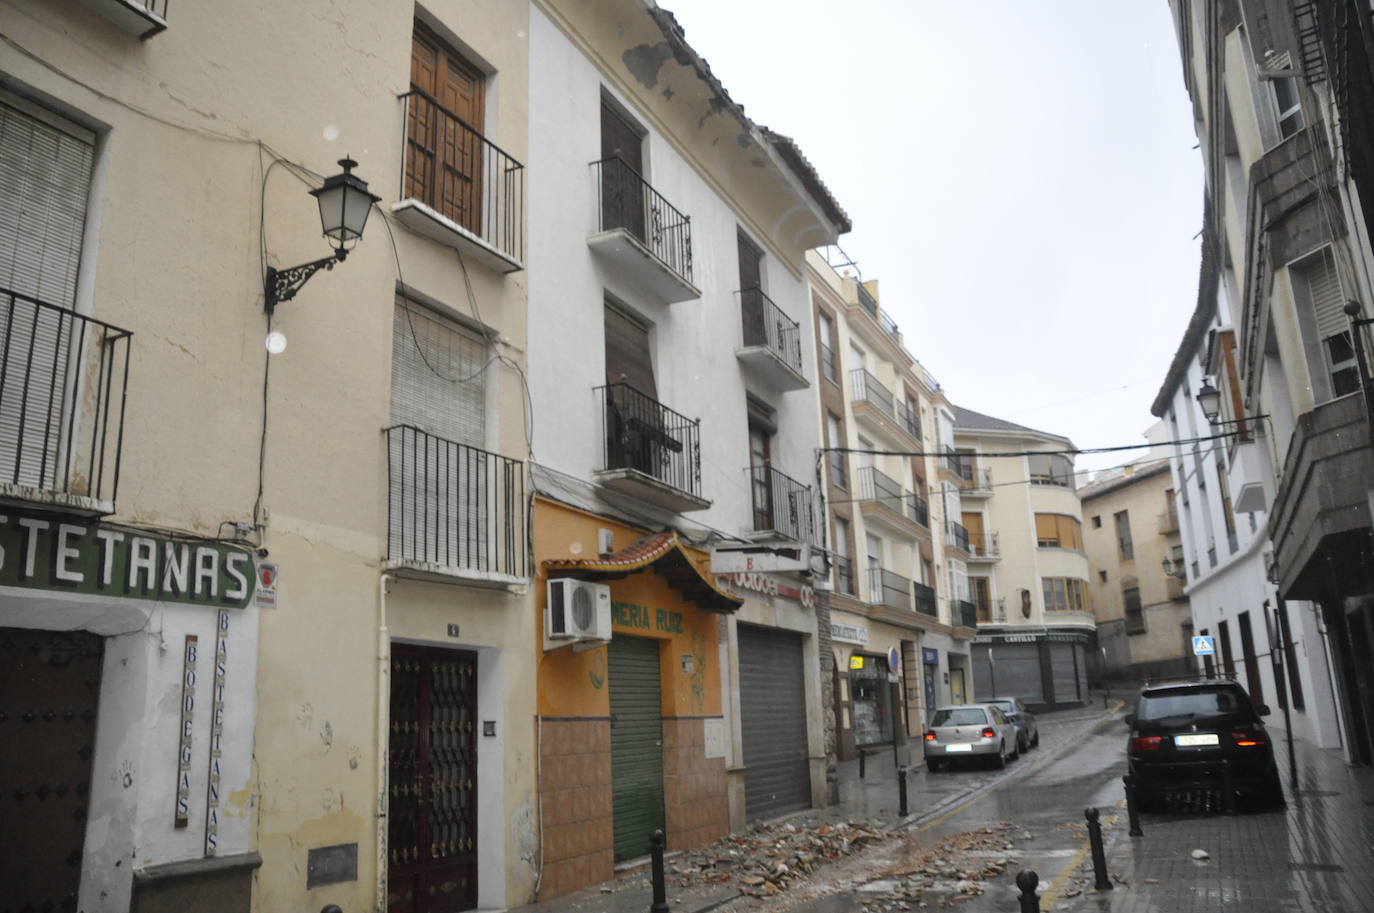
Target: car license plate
[
  {"x": 1203, "y": 738},
  {"x": 958, "y": 748}
]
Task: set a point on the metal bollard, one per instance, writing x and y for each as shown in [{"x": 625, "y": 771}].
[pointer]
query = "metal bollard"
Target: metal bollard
[
  {"x": 1104, "y": 881},
  {"x": 660, "y": 904},
  {"x": 1026, "y": 880},
  {"x": 901, "y": 792},
  {"x": 1228, "y": 789},
  {"x": 863, "y": 757},
  {"x": 1132, "y": 807},
  {"x": 331, "y": 908}
]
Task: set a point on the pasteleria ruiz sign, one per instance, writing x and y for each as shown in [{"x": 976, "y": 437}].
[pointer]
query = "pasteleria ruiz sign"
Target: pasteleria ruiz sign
[{"x": 71, "y": 554}]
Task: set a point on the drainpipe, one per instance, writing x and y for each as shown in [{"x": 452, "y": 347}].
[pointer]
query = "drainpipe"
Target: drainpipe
[{"x": 383, "y": 745}]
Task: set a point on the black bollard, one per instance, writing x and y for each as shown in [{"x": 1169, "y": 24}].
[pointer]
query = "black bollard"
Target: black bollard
[
  {"x": 1104, "y": 881},
  {"x": 863, "y": 757},
  {"x": 1228, "y": 789},
  {"x": 901, "y": 791},
  {"x": 660, "y": 904},
  {"x": 1026, "y": 880},
  {"x": 331, "y": 908},
  {"x": 1132, "y": 807}
]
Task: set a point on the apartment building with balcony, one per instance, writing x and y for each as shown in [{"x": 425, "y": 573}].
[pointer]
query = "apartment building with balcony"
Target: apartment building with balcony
[
  {"x": 1137, "y": 574},
  {"x": 263, "y": 609},
  {"x": 671, "y": 365},
  {"x": 897, "y": 573},
  {"x": 1027, "y": 566},
  {"x": 1275, "y": 514}
]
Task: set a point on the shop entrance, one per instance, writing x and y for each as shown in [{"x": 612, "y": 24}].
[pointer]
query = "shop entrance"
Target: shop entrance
[
  {"x": 777, "y": 774},
  {"x": 49, "y": 691},
  {"x": 636, "y": 743},
  {"x": 871, "y": 696},
  {"x": 432, "y": 783}
]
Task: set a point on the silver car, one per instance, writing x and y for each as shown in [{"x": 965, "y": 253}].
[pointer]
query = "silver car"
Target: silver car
[
  {"x": 1028, "y": 730},
  {"x": 965, "y": 731}
]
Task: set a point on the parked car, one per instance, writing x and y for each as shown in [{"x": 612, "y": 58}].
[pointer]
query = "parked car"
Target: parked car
[
  {"x": 1184, "y": 736},
  {"x": 1027, "y": 730},
  {"x": 965, "y": 731}
]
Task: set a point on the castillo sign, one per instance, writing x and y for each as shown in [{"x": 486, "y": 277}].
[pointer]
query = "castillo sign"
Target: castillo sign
[{"x": 48, "y": 552}]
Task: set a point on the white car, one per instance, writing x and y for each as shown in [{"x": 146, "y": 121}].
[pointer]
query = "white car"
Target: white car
[{"x": 961, "y": 732}]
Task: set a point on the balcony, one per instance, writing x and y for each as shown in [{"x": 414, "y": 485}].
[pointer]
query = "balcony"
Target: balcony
[
  {"x": 63, "y": 384},
  {"x": 963, "y": 614},
  {"x": 925, "y": 600},
  {"x": 909, "y": 421},
  {"x": 844, "y": 576},
  {"x": 641, "y": 234},
  {"x": 956, "y": 537},
  {"x": 918, "y": 511},
  {"x": 772, "y": 342},
  {"x": 651, "y": 452},
  {"x": 984, "y": 547},
  {"x": 878, "y": 410},
  {"x": 882, "y": 318},
  {"x": 782, "y": 505},
  {"x": 881, "y": 500},
  {"x": 460, "y": 189},
  {"x": 1175, "y": 586},
  {"x": 952, "y": 464},
  {"x": 975, "y": 482},
  {"x": 454, "y": 512},
  {"x": 1168, "y": 522},
  {"x": 141, "y": 18},
  {"x": 1320, "y": 518},
  {"x": 888, "y": 589}
]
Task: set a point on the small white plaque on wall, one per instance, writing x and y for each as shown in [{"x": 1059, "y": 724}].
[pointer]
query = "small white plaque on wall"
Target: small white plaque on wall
[{"x": 715, "y": 737}]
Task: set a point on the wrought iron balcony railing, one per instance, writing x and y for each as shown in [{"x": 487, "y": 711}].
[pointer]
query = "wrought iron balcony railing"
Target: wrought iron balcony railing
[
  {"x": 63, "y": 384},
  {"x": 975, "y": 479},
  {"x": 984, "y": 545},
  {"x": 983, "y": 607},
  {"x": 952, "y": 461},
  {"x": 828, "y": 366},
  {"x": 909, "y": 419},
  {"x": 646, "y": 436},
  {"x": 918, "y": 510},
  {"x": 875, "y": 485},
  {"x": 766, "y": 325},
  {"x": 963, "y": 614},
  {"x": 781, "y": 504},
  {"x": 868, "y": 389},
  {"x": 463, "y": 176},
  {"x": 454, "y": 507},
  {"x": 889, "y": 589},
  {"x": 925, "y": 600},
  {"x": 956, "y": 536},
  {"x": 844, "y": 576},
  {"x": 625, "y": 200},
  {"x": 870, "y": 305}
]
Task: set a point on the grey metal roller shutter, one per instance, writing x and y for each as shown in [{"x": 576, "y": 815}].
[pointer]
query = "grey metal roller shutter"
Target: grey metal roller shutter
[
  {"x": 636, "y": 743},
  {"x": 777, "y": 775},
  {"x": 982, "y": 673},
  {"x": 1016, "y": 672},
  {"x": 1064, "y": 672}
]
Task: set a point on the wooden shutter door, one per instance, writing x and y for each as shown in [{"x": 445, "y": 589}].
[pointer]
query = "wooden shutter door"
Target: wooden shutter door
[
  {"x": 622, "y": 194},
  {"x": 445, "y": 156},
  {"x": 751, "y": 298}
]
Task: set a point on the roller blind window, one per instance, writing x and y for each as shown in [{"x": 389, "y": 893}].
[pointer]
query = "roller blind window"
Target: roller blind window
[{"x": 1058, "y": 531}]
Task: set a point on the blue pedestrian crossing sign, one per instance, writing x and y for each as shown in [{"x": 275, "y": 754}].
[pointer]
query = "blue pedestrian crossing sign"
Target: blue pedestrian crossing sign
[{"x": 1202, "y": 646}]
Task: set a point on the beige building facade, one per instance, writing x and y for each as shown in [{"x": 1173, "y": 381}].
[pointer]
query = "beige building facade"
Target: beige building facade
[
  {"x": 1131, "y": 528},
  {"x": 1028, "y": 571}
]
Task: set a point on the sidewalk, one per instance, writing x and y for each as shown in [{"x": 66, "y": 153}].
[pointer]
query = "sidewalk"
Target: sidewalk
[
  {"x": 872, "y": 801},
  {"x": 1313, "y": 857}
]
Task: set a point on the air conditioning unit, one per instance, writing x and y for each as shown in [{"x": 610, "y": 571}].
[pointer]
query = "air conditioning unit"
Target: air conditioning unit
[{"x": 577, "y": 611}]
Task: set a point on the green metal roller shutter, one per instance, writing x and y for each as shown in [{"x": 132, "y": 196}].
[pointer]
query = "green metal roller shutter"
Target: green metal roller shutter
[
  {"x": 777, "y": 774},
  {"x": 636, "y": 743}
]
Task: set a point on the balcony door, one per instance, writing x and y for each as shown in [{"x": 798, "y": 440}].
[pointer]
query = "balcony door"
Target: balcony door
[
  {"x": 444, "y": 136},
  {"x": 637, "y": 436},
  {"x": 45, "y": 170},
  {"x": 622, "y": 169},
  {"x": 973, "y": 523},
  {"x": 751, "y": 294},
  {"x": 762, "y": 426}
]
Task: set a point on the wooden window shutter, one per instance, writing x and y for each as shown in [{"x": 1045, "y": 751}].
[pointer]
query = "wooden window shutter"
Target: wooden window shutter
[
  {"x": 627, "y": 352},
  {"x": 1045, "y": 527},
  {"x": 1324, "y": 285}
]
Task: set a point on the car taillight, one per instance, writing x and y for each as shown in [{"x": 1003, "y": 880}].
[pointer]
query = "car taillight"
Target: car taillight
[
  {"x": 988, "y": 732},
  {"x": 1249, "y": 739},
  {"x": 930, "y": 735},
  {"x": 1146, "y": 743}
]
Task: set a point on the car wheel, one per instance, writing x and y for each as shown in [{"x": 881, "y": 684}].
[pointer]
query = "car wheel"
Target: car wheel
[
  {"x": 1022, "y": 744},
  {"x": 1001, "y": 761},
  {"x": 1016, "y": 751},
  {"x": 934, "y": 766},
  {"x": 1035, "y": 740}
]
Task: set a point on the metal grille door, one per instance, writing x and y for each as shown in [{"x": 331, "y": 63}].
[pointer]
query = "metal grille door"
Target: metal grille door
[
  {"x": 49, "y": 690},
  {"x": 777, "y": 775},
  {"x": 636, "y": 743},
  {"x": 432, "y": 788}
]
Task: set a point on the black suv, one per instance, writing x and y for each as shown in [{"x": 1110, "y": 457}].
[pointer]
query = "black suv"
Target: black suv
[{"x": 1184, "y": 736}]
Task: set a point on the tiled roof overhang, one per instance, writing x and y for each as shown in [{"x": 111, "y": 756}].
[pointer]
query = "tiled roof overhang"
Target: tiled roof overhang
[{"x": 666, "y": 556}]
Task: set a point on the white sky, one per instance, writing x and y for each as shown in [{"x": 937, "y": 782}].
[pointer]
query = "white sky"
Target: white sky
[{"x": 1021, "y": 177}]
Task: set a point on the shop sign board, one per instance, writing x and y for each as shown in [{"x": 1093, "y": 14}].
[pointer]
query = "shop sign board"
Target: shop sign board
[
  {"x": 849, "y": 634},
  {"x": 930, "y": 656},
  {"x": 70, "y": 554},
  {"x": 733, "y": 559},
  {"x": 769, "y": 585}
]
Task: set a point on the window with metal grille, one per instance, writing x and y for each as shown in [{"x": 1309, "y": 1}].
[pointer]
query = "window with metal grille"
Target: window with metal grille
[{"x": 1135, "y": 613}]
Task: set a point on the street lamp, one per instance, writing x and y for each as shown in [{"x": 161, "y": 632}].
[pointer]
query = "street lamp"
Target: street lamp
[
  {"x": 1209, "y": 399},
  {"x": 344, "y": 206}
]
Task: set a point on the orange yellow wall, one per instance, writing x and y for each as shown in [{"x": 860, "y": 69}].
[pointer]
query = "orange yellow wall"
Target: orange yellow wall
[{"x": 642, "y": 605}]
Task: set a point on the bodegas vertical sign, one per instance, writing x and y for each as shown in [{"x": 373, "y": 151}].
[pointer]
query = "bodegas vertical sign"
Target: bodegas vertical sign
[{"x": 53, "y": 552}]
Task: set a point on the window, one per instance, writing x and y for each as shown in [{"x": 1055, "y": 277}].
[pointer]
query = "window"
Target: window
[
  {"x": 844, "y": 568},
  {"x": 1135, "y": 614},
  {"x": 1102, "y": 576},
  {"x": 437, "y": 379},
  {"x": 980, "y": 590},
  {"x": 762, "y": 426},
  {"x": 444, "y": 148},
  {"x": 834, "y": 437},
  {"x": 1058, "y": 531},
  {"x": 1125, "y": 546},
  {"x": 1254, "y": 681},
  {"x": 622, "y": 170},
  {"x": 1097, "y": 522},
  {"x": 1228, "y": 663},
  {"x": 1051, "y": 469},
  {"x": 826, "y": 331},
  {"x": 1064, "y": 594},
  {"x": 1325, "y": 327},
  {"x": 1287, "y": 106}
]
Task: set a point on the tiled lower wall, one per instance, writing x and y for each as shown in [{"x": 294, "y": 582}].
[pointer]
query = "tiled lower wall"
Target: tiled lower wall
[
  {"x": 694, "y": 799},
  {"x": 575, "y": 792}
]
